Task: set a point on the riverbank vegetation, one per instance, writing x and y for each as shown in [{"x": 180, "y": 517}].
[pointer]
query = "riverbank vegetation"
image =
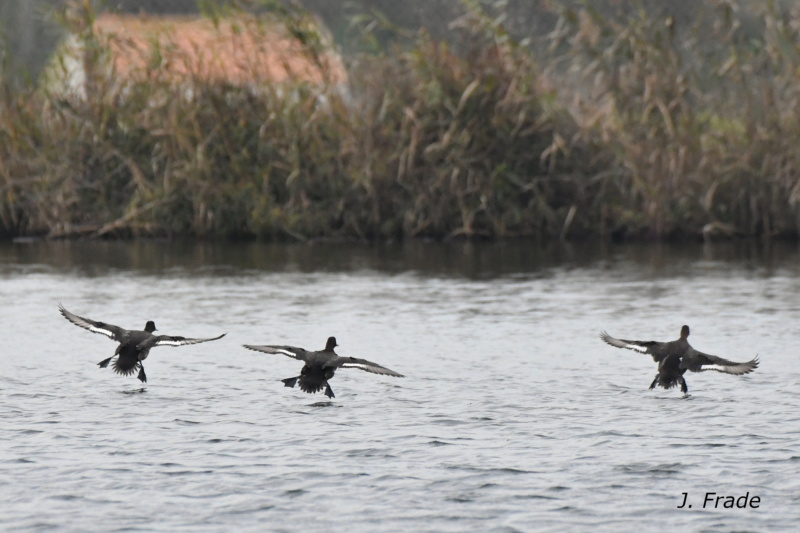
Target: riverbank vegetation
[{"x": 620, "y": 127}]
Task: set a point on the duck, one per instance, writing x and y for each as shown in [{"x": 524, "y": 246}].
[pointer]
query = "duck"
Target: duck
[
  {"x": 674, "y": 358},
  {"x": 134, "y": 345},
  {"x": 321, "y": 365}
]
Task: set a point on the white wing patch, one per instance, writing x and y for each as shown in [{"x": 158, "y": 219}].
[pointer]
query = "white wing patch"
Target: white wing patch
[
  {"x": 99, "y": 330},
  {"x": 91, "y": 325},
  {"x": 367, "y": 367},
  {"x": 736, "y": 369},
  {"x": 717, "y": 368},
  {"x": 172, "y": 342},
  {"x": 180, "y": 341},
  {"x": 608, "y": 339},
  {"x": 288, "y": 351},
  {"x": 636, "y": 347}
]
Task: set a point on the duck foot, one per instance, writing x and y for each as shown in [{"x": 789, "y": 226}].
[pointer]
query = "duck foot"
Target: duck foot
[
  {"x": 141, "y": 375},
  {"x": 289, "y": 382},
  {"x": 328, "y": 391},
  {"x": 104, "y": 362}
]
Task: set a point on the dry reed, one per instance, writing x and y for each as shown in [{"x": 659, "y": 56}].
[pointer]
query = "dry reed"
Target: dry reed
[{"x": 672, "y": 138}]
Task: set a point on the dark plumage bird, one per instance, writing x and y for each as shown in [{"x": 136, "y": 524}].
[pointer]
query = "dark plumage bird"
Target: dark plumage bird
[
  {"x": 320, "y": 366},
  {"x": 134, "y": 345},
  {"x": 676, "y": 357}
]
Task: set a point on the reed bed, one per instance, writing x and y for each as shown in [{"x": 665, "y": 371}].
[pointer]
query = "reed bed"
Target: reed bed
[
  {"x": 624, "y": 130},
  {"x": 702, "y": 120}
]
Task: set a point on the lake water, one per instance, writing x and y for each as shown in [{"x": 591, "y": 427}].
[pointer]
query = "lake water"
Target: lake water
[{"x": 513, "y": 415}]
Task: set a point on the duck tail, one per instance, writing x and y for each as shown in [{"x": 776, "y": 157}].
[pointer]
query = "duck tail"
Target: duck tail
[
  {"x": 125, "y": 368},
  {"x": 311, "y": 385},
  {"x": 667, "y": 382}
]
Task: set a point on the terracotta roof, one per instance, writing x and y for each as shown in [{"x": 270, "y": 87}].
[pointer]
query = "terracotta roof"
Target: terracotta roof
[{"x": 240, "y": 51}]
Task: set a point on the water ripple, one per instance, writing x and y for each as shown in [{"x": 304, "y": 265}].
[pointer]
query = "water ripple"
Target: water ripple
[{"x": 513, "y": 415}]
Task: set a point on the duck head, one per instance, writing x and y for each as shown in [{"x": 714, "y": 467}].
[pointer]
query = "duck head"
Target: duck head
[{"x": 331, "y": 344}]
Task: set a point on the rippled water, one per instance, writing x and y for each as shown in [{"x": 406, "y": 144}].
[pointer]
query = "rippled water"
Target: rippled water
[{"x": 513, "y": 416}]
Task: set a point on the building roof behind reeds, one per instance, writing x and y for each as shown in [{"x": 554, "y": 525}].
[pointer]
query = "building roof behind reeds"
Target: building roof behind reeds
[{"x": 243, "y": 51}]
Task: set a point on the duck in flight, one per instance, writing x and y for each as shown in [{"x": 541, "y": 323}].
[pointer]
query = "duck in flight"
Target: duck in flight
[
  {"x": 134, "y": 345},
  {"x": 320, "y": 366},
  {"x": 676, "y": 357}
]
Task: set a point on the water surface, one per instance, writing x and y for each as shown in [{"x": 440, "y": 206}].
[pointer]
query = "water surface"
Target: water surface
[{"x": 513, "y": 416}]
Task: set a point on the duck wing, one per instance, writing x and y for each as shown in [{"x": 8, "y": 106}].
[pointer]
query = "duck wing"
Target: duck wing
[
  {"x": 109, "y": 330},
  {"x": 289, "y": 351},
  {"x": 169, "y": 340},
  {"x": 362, "y": 364},
  {"x": 696, "y": 361},
  {"x": 659, "y": 350}
]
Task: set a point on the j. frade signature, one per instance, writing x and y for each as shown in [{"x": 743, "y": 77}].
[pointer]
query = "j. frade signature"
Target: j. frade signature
[{"x": 713, "y": 500}]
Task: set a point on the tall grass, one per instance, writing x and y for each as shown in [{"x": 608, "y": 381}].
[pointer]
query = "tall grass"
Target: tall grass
[
  {"x": 430, "y": 144},
  {"x": 627, "y": 130},
  {"x": 702, "y": 121}
]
